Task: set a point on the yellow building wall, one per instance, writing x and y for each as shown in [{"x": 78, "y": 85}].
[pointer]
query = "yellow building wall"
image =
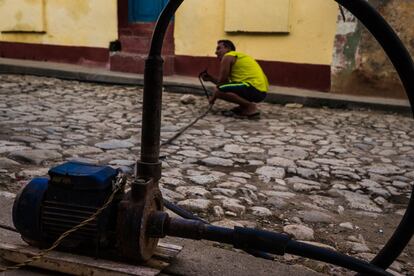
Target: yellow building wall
[
  {"x": 199, "y": 24},
  {"x": 90, "y": 23}
]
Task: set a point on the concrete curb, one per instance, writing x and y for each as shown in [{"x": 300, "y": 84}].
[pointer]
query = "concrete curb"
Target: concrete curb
[
  {"x": 180, "y": 84},
  {"x": 68, "y": 72}
]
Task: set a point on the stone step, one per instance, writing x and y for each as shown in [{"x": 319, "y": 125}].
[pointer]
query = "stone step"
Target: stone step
[
  {"x": 144, "y": 29},
  {"x": 141, "y": 44},
  {"x": 135, "y": 63}
]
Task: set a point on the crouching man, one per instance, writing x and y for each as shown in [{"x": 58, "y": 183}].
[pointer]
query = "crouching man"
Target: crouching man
[{"x": 241, "y": 80}]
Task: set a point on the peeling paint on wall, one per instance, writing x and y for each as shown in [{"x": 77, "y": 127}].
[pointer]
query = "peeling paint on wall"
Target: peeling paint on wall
[
  {"x": 346, "y": 44},
  {"x": 360, "y": 65}
]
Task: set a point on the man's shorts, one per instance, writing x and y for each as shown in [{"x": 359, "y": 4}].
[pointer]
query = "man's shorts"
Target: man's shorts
[{"x": 243, "y": 90}]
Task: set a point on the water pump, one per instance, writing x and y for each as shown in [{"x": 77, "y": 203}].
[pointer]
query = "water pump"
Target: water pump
[{"x": 47, "y": 207}]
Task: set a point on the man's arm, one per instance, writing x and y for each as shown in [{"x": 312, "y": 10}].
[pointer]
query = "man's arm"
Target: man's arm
[
  {"x": 225, "y": 69},
  {"x": 224, "y": 77},
  {"x": 207, "y": 77}
]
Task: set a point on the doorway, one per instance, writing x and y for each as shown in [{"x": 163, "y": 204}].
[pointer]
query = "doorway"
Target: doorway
[{"x": 145, "y": 10}]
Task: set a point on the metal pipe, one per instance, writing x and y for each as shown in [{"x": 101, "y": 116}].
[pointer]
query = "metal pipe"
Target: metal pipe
[
  {"x": 403, "y": 63},
  {"x": 153, "y": 78},
  {"x": 197, "y": 230},
  {"x": 162, "y": 25}
]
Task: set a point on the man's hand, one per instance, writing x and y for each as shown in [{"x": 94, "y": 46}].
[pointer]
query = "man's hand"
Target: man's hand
[{"x": 207, "y": 77}]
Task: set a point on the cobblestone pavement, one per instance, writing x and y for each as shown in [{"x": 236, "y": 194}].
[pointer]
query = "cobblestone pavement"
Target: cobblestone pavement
[{"x": 337, "y": 178}]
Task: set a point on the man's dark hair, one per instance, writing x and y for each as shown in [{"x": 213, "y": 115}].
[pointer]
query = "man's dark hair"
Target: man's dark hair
[{"x": 228, "y": 44}]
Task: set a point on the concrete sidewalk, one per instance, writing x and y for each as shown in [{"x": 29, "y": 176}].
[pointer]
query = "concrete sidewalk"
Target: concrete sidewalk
[{"x": 183, "y": 84}]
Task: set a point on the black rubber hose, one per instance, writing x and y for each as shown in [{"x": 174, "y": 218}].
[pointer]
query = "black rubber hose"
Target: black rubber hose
[
  {"x": 188, "y": 215},
  {"x": 403, "y": 63},
  {"x": 200, "y": 78},
  {"x": 182, "y": 130},
  {"x": 399, "y": 239},
  {"x": 182, "y": 212},
  {"x": 257, "y": 240},
  {"x": 333, "y": 257},
  {"x": 281, "y": 244}
]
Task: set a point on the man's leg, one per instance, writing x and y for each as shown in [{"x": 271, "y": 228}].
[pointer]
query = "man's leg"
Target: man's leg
[{"x": 246, "y": 107}]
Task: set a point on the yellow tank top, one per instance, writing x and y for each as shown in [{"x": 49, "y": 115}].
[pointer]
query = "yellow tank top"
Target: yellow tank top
[{"x": 247, "y": 70}]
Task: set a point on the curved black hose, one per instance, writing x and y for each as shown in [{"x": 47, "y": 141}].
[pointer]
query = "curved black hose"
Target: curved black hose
[
  {"x": 403, "y": 63},
  {"x": 188, "y": 215},
  {"x": 405, "y": 68},
  {"x": 399, "y": 239},
  {"x": 182, "y": 212},
  {"x": 181, "y": 131},
  {"x": 333, "y": 257},
  {"x": 256, "y": 240},
  {"x": 281, "y": 243},
  {"x": 200, "y": 78}
]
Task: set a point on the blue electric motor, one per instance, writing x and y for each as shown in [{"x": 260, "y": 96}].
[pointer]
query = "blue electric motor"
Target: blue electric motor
[{"x": 47, "y": 207}]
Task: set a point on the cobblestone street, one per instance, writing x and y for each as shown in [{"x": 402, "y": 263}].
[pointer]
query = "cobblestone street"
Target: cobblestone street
[{"x": 332, "y": 177}]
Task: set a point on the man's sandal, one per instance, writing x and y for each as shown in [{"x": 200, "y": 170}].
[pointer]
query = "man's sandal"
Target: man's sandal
[
  {"x": 236, "y": 112},
  {"x": 227, "y": 113},
  {"x": 253, "y": 116},
  {"x": 231, "y": 112}
]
